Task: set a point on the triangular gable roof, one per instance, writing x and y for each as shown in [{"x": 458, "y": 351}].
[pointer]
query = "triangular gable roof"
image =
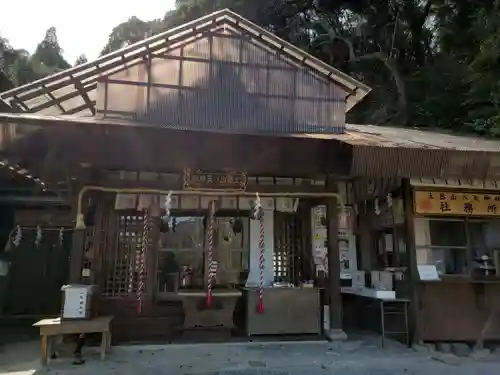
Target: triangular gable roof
[{"x": 73, "y": 91}]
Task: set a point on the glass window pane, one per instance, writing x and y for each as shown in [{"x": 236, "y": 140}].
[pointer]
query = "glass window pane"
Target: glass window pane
[
  {"x": 447, "y": 261},
  {"x": 447, "y": 233},
  {"x": 231, "y": 250},
  {"x": 231, "y": 232},
  {"x": 484, "y": 239},
  {"x": 484, "y": 235},
  {"x": 181, "y": 257},
  {"x": 182, "y": 233},
  {"x": 181, "y": 260}
]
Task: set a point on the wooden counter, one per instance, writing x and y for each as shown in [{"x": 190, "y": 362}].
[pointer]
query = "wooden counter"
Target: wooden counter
[
  {"x": 287, "y": 311},
  {"x": 456, "y": 309}
]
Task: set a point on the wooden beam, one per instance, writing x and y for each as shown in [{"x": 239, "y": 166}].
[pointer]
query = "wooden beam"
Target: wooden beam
[
  {"x": 134, "y": 50},
  {"x": 80, "y": 108},
  {"x": 76, "y": 256},
  {"x": 90, "y": 104},
  {"x": 254, "y": 65},
  {"x": 414, "y": 278},
  {"x": 94, "y": 71},
  {"x": 139, "y": 148},
  {"x": 53, "y": 99},
  {"x": 62, "y": 98},
  {"x": 196, "y": 89},
  {"x": 20, "y": 103},
  {"x": 149, "y": 62},
  {"x": 333, "y": 286},
  {"x": 179, "y": 186},
  {"x": 127, "y": 63}
]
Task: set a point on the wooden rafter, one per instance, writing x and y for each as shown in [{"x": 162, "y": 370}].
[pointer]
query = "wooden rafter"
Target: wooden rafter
[
  {"x": 53, "y": 99},
  {"x": 81, "y": 90},
  {"x": 20, "y": 103},
  {"x": 89, "y": 73},
  {"x": 83, "y": 107}
]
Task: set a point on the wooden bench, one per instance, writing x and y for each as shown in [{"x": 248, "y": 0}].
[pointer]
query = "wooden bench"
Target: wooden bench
[{"x": 50, "y": 328}]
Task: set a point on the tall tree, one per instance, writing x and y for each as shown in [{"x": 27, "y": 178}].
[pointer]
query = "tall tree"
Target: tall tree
[
  {"x": 129, "y": 32},
  {"x": 20, "y": 67},
  {"x": 49, "y": 52},
  {"x": 483, "y": 96}
]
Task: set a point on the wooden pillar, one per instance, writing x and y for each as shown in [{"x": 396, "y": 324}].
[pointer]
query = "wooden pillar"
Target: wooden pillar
[
  {"x": 76, "y": 256},
  {"x": 333, "y": 285},
  {"x": 152, "y": 260},
  {"x": 412, "y": 260},
  {"x": 365, "y": 243}
]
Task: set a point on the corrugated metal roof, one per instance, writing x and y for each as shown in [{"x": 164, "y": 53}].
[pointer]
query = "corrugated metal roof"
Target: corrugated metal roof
[
  {"x": 73, "y": 91},
  {"x": 385, "y": 136},
  {"x": 355, "y": 135}
]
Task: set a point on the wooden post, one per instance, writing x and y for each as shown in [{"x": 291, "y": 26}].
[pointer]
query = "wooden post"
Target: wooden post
[
  {"x": 412, "y": 260},
  {"x": 365, "y": 242},
  {"x": 77, "y": 240},
  {"x": 152, "y": 261},
  {"x": 333, "y": 285},
  {"x": 76, "y": 257},
  {"x": 44, "y": 352}
]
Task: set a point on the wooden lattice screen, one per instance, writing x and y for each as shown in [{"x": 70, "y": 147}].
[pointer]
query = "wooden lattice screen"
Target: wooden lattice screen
[
  {"x": 283, "y": 247},
  {"x": 111, "y": 248},
  {"x": 290, "y": 248},
  {"x": 121, "y": 268}
]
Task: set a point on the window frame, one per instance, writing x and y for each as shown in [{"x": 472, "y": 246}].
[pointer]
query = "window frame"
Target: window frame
[
  {"x": 468, "y": 247},
  {"x": 160, "y": 249}
]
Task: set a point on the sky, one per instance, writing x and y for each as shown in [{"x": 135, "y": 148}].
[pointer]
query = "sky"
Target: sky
[{"x": 82, "y": 27}]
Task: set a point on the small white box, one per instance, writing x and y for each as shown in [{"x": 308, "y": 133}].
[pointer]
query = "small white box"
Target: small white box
[
  {"x": 375, "y": 276},
  {"x": 77, "y": 301},
  {"x": 386, "y": 280},
  {"x": 358, "y": 278}
]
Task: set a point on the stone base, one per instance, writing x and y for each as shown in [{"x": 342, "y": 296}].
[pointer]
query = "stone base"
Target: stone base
[{"x": 336, "y": 335}]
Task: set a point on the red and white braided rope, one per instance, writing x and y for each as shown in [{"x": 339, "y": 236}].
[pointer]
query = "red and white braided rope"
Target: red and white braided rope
[
  {"x": 210, "y": 240},
  {"x": 142, "y": 263},
  {"x": 260, "y": 306}
]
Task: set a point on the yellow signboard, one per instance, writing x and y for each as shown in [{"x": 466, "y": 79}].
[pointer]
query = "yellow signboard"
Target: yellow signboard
[{"x": 463, "y": 204}]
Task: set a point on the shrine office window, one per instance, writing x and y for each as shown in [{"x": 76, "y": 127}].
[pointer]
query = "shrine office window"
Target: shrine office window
[
  {"x": 442, "y": 243},
  {"x": 484, "y": 239}
]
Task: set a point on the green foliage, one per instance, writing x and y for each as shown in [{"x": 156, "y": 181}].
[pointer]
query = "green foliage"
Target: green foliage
[
  {"x": 48, "y": 53},
  {"x": 20, "y": 67},
  {"x": 130, "y": 32},
  {"x": 483, "y": 97}
]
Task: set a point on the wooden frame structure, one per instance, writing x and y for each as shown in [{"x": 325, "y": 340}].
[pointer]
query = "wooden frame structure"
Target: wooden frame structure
[
  {"x": 61, "y": 132},
  {"x": 81, "y": 81}
]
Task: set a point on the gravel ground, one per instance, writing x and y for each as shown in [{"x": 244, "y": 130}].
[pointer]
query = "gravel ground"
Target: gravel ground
[{"x": 353, "y": 357}]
